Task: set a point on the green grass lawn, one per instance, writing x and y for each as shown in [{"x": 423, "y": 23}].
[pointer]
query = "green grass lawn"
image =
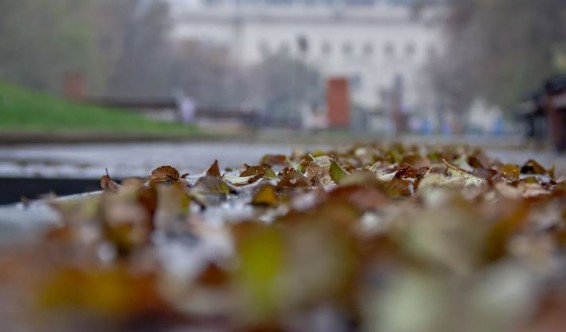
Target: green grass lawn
[{"x": 22, "y": 110}]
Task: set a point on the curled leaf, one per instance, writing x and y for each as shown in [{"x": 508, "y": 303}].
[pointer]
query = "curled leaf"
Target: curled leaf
[
  {"x": 241, "y": 180},
  {"x": 107, "y": 184},
  {"x": 166, "y": 175},
  {"x": 262, "y": 171},
  {"x": 214, "y": 170},
  {"x": 251, "y": 174}
]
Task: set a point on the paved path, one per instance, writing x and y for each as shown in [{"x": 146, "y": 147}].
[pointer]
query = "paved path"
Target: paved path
[
  {"x": 138, "y": 159},
  {"x": 122, "y": 160},
  {"x": 90, "y": 160}
]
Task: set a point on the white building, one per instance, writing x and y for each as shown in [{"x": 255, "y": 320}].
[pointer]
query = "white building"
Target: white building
[{"x": 375, "y": 43}]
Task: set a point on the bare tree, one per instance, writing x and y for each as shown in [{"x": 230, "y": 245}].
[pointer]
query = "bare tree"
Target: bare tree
[
  {"x": 498, "y": 50},
  {"x": 285, "y": 84},
  {"x": 41, "y": 40},
  {"x": 207, "y": 73},
  {"x": 135, "y": 34}
]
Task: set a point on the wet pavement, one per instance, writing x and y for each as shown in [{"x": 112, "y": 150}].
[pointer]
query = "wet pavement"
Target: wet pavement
[
  {"x": 123, "y": 160},
  {"x": 138, "y": 159}
]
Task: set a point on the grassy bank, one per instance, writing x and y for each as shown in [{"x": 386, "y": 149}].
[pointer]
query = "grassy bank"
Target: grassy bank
[{"x": 22, "y": 110}]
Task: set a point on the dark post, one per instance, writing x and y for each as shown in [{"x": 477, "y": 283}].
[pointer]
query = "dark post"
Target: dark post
[{"x": 556, "y": 111}]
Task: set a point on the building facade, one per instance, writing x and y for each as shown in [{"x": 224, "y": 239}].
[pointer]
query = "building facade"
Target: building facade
[{"x": 382, "y": 46}]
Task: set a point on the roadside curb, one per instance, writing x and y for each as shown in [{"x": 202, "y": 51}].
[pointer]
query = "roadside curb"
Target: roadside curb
[{"x": 23, "y": 138}]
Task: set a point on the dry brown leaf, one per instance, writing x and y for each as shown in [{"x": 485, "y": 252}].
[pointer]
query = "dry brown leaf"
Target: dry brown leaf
[
  {"x": 214, "y": 170},
  {"x": 166, "y": 175},
  {"x": 274, "y": 160},
  {"x": 261, "y": 171},
  {"x": 290, "y": 178},
  {"x": 107, "y": 184}
]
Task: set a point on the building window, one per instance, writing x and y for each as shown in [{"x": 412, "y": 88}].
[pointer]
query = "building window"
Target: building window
[
  {"x": 263, "y": 48},
  {"x": 410, "y": 49},
  {"x": 347, "y": 48},
  {"x": 398, "y": 83},
  {"x": 356, "y": 82},
  {"x": 432, "y": 51},
  {"x": 280, "y": 2},
  {"x": 368, "y": 49},
  {"x": 389, "y": 49},
  {"x": 361, "y": 2},
  {"x": 326, "y": 48},
  {"x": 284, "y": 48},
  {"x": 303, "y": 44},
  {"x": 213, "y": 2}
]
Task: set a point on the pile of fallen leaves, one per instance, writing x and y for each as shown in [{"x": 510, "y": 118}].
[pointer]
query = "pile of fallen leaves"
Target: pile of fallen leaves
[{"x": 369, "y": 238}]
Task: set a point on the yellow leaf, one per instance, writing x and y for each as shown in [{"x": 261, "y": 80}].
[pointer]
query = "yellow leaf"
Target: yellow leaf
[{"x": 265, "y": 196}]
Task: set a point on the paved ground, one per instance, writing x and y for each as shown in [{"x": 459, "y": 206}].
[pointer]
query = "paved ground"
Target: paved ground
[
  {"x": 133, "y": 159},
  {"x": 138, "y": 159},
  {"x": 89, "y": 161}
]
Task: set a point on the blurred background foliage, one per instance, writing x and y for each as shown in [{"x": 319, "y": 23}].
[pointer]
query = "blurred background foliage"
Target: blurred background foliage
[
  {"x": 499, "y": 49},
  {"x": 122, "y": 48},
  {"x": 118, "y": 45}
]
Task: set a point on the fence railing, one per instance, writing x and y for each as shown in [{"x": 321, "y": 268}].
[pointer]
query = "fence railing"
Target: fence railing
[{"x": 246, "y": 117}]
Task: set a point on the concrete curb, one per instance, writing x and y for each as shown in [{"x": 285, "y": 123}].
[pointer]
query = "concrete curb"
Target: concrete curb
[{"x": 21, "y": 138}]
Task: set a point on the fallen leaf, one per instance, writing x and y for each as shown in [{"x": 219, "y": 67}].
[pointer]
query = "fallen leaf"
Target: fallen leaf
[
  {"x": 337, "y": 173},
  {"x": 274, "y": 160},
  {"x": 469, "y": 179},
  {"x": 110, "y": 291},
  {"x": 167, "y": 175},
  {"x": 262, "y": 170},
  {"x": 290, "y": 178},
  {"x": 107, "y": 184},
  {"x": 214, "y": 170},
  {"x": 533, "y": 167},
  {"x": 265, "y": 196},
  {"x": 510, "y": 171},
  {"x": 212, "y": 185},
  {"x": 241, "y": 180}
]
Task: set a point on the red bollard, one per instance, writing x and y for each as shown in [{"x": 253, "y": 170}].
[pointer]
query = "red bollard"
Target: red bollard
[{"x": 338, "y": 103}]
